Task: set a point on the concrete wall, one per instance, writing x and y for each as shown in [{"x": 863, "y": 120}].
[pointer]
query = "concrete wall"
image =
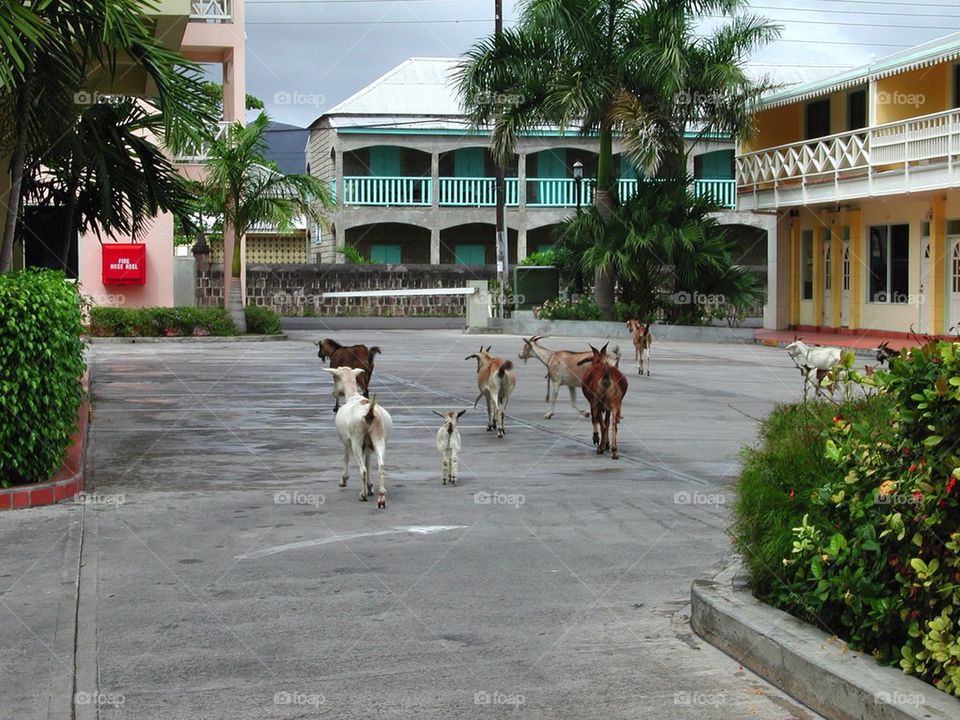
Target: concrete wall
[
  {"x": 184, "y": 281},
  {"x": 298, "y": 289}
]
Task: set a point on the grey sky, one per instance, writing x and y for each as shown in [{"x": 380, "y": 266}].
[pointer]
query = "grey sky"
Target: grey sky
[{"x": 304, "y": 56}]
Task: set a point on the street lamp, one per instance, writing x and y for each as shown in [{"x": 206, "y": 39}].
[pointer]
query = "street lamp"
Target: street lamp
[{"x": 577, "y": 182}]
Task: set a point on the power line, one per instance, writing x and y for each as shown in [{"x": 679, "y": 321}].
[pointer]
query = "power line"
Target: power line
[{"x": 899, "y": 13}]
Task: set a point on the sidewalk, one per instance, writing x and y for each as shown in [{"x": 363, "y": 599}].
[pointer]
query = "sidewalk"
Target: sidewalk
[{"x": 865, "y": 343}]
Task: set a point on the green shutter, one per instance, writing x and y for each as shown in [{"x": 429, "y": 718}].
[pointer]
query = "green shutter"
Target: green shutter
[
  {"x": 385, "y": 254},
  {"x": 469, "y": 254},
  {"x": 552, "y": 163},
  {"x": 714, "y": 165},
  {"x": 384, "y": 161},
  {"x": 468, "y": 162}
]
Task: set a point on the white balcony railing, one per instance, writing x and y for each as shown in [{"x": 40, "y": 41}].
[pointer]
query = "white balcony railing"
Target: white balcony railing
[
  {"x": 864, "y": 152},
  {"x": 214, "y": 11}
]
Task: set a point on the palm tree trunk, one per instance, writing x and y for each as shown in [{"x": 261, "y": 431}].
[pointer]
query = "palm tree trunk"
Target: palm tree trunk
[
  {"x": 18, "y": 161},
  {"x": 234, "y": 300},
  {"x": 605, "y": 277}
]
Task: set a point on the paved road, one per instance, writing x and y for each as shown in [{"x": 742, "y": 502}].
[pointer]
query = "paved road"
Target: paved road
[{"x": 226, "y": 575}]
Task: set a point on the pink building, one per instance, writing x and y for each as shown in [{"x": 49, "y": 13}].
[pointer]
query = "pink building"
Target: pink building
[{"x": 208, "y": 32}]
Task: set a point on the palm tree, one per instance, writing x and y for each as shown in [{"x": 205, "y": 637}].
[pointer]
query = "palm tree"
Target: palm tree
[
  {"x": 244, "y": 189},
  {"x": 616, "y": 67},
  {"x": 49, "y": 51}
]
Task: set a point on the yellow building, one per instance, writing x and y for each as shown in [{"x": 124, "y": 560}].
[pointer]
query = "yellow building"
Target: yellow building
[{"x": 860, "y": 172}]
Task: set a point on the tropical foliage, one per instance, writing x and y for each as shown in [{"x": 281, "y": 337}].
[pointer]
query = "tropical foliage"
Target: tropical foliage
[
  {"x": 641, "y": 71},
  {"x": 159, "y": 322},
  {"x": 874, "y": 553}
]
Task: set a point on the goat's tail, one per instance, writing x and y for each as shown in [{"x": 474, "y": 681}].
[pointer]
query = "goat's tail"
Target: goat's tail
[
  {"x": 478, "y": 399},
  {"x": 375, "y": 350},
  {"x": 371, "y": 411},
  {"x": 506, "y": 365}
]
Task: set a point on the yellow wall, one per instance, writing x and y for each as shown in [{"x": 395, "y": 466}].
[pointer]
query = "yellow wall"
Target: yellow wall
[
  {"x": 912, "y": 94},
  {"x": 777, "y": 126}
]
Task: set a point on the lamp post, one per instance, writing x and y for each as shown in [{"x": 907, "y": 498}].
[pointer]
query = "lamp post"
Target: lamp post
[{"x": 578, "y": 183}]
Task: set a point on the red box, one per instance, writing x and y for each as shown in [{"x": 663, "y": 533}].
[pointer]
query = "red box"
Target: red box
[{"x": 124, "y": 263}]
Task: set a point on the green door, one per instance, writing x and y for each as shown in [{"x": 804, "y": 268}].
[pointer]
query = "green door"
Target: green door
[
  {"x": 468, "y": 162},
  {"x": 552, "y": 164},
  {"x": 384, "y": 161},
  {"x": 714, "y": 165},
  {"x": 385, "y": 254},
  {"x": 469, "y": 254}
]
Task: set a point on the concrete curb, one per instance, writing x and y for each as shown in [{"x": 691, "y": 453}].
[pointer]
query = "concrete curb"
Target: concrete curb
[
  {"x": 617, "y": 330},
  {"x": 186, "y": 339},
  {"x": 805, "y": 662}
]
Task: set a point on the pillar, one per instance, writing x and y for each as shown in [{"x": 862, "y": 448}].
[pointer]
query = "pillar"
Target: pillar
[
  {"x": 434, "y": 246},
  {"x": 521, "y": 243},
  {"x": 435, "y": 192},
  {"x": 522, "y": 181},
  {"x": 794, "y": 271},
  {"x": 857, "y": 260},
  {"x": 818, "y": 279},
  {"x": 939, "y": 255},
  {"x": 836, "y": 275}
]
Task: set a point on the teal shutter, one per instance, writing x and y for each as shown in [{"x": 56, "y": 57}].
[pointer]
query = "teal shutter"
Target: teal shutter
[
  {"x": 385, "y": 254},
  {"x": 552, "y": 164},
  {"x": 468, "y": 162},
  {"x": 469, "y": 254},
  {"x": 714, "y": 165},
  {"x": 384, "y": 161}
]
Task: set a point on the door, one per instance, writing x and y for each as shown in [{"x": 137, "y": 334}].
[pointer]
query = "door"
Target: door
[
  {"x": 469, "y": 254},
  {"x": 385, "y": 254},
  {"x": 924, "y": 280},
  {"x": 845, "y": 280},
  {"x": 955, "y": 283},
  {"x": 827, "y": 319}
]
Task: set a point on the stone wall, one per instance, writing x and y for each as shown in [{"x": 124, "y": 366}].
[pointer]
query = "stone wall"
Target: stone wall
[{"x": 298, "y": 289}]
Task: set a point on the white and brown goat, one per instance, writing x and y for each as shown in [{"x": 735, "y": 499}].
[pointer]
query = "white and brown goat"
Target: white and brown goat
[
  {"x": 604, "y": 387},
  {"x": 363, "y": 428},
  {"x": 563, "y": 370},
  {"x": 353, "y": 356},
  {"x": 495, "y": 380},
  {"x": 448, "y": 445},
  {"x": 642, "y": 343}
]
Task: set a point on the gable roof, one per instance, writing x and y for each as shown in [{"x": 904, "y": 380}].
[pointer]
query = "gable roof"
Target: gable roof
[{"x": 943, "y": 49}]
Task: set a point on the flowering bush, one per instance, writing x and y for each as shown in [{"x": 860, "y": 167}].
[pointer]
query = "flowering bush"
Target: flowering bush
[{"x": 876, "y": 558}]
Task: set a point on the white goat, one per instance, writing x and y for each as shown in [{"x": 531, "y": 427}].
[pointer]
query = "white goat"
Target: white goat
[
  {"x": 814, "y": 362},
  {"x": 448, "y": 445},
  {"x": 363, "y": 427},
  {"x": 495, "y": 380}
]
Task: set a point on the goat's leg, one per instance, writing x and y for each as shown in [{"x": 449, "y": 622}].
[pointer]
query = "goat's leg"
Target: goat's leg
[
  {"x": 445, "y": 466},
  {"x": 604, "y": 427},
  {"x": 346, "y": 465},
  {"x": 498, "y": 417},
  {"x": 645, "y": 354},
  {"x": 614, "y": 422},
  {"x": 361, "y": 459},
  {"x": 491, "y": 420},
  {"x": 573, "y": 401},
  {"x": 381, "y": 478},
  {"x": 367, "y": 455},
  {"x": 454, "y": 466},
  {"x": 553, "y": 389},
  {"x": 595, "y": 422}
]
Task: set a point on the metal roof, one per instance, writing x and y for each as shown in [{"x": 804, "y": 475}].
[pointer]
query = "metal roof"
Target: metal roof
[{"x": 936, "y": 51}]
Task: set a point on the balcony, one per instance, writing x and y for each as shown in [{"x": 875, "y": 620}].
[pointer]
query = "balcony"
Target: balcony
[
  {"x": 211, "y": 11},
  {"x": 198, "y": 154},
  {"x": 461, "y": 192},
  {"x": 907, "y": 156}
]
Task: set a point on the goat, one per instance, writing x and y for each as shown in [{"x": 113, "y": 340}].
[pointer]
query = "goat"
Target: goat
[
  {"x": 495, "y": 380},
  {"x": 813, "y": 358},
  {"x": 363, "y": 428},
  {"x": 562, "y": 371},
  {"x": 448, "y": 445},
  {"x": 642, "y": 342},
  {"x": 604, "y": 387},
  {"x": 884, "y": 353},
  {"x": 354, "y": 356}
]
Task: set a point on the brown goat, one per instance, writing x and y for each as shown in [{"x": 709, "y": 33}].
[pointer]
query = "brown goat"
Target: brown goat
[
  {"x": 642, "y": 342},
  {"x": 604, "y": 387},
  {"x": 354, "y": 356},
  {"x": 495, "y": 380}
]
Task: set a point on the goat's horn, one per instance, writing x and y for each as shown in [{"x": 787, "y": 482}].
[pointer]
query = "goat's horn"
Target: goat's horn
[
  {"x": 472, "y": 356},
  {"x": 438, "y": 414}
]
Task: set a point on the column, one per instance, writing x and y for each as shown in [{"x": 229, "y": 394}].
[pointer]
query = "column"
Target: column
[
  {"x": 435, "y": 193},
  {"x": 521, "y": 181},
  {"x": 818, "y": 281},
  {"x": 836, "y": 274},
  {"x": 939, "y": 253},
  {"x": 771, "y": 308},
  {"x": 434, "y": 245},
  {"x": 521, "y": 243},
  {"x": 794, "y": 271},
  {"x": 338, "y": 176},
  {"x": 857, "y": 260}
]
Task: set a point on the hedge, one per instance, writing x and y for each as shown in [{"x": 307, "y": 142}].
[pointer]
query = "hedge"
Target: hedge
[
  {"x": 41, "y": 365},
  {"x": 160, "y": 322}
]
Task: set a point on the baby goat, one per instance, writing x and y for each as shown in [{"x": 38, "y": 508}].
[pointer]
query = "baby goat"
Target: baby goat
[
  {"x": 448, "y": 445},
  {"x": 496, "y": 381},
  {"x": 642, "y": 342},
  {"x": 363, "y": 428}
]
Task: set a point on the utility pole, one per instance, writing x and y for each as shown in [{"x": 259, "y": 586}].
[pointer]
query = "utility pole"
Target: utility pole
[{"x": 502, "y": 254}]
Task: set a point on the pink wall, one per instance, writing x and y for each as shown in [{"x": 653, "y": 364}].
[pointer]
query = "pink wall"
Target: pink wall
[{"x": 158, "y": 290}]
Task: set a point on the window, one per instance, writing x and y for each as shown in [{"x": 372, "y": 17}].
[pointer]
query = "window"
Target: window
[
  {"x": 856, "y": 109},
  {"x": 806, "y": 264},
  {"x": 469, "y": 255},
  {"x": 827, "y": 264},
  {"x": 385, "y": 254},
  {"x": 818, "y": 119},
  {"x": 889, "y": 263},
  {"x": 956, "y": 268}
]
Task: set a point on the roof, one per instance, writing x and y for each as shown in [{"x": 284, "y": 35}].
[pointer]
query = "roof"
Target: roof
[{"x": 943, "y": 49}]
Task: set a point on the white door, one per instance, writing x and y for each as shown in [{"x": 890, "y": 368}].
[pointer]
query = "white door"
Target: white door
[
  {"x": 955, "y": 284},
  {"x": 845, "y": 295},
  {"x": 827, "y": 284},
  {"x": 924, "y": 284}
]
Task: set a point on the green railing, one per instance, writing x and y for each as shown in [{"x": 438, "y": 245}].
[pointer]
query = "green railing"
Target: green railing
[
  {"x": 481, "y": 192},
  {"x": 476, "y": 192}
]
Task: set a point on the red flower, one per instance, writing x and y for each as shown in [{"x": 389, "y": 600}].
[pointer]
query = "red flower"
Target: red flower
[
  {"x": 912, "y": 468},
  {"x": 917, "y": 494},
  {"x": 904, "y": 451},
  {"x": 837, "y": 418},
  {"x": 950, "y": 483}
]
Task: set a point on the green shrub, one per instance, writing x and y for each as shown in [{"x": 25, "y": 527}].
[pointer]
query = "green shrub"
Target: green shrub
[
  {"x": 262, "y": 321},
  {"x": 583, "y": 309},
  {"x": 41, "y": 363},
  {"x": 541, "y": 258},
  {"x": 160, "y": 322},
  {"x": 875, "y": 557}
]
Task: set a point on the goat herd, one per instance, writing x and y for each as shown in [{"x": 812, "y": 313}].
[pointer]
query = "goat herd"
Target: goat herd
[{"x": 363, "y": 425}]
